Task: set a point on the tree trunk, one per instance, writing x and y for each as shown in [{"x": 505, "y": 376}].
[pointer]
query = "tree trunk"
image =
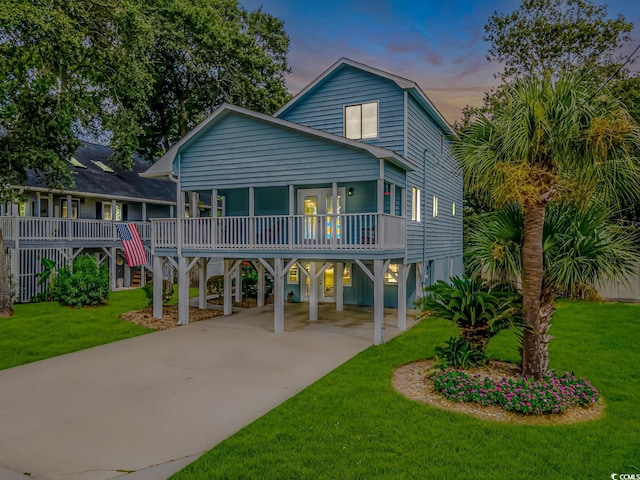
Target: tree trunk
[
  {"x": 6, "y": 309},
  {"x": 535, "y": 352}
]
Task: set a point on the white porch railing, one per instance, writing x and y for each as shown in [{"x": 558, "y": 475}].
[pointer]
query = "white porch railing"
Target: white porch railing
[
  {"x": 359, "y": 231},
  {"x": 49, "y": 229}
]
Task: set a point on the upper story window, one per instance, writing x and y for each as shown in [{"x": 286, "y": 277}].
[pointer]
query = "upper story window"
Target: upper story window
[
  {"x": 361, "y": 121},
  {"x": 106, "y": 211},
  {"x": 415, "y": 204}
]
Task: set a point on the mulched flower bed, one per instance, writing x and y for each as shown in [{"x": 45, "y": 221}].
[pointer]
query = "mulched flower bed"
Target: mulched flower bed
[
  {"x": 169, "y": 318},
  {"x": 415, "y": 381}
]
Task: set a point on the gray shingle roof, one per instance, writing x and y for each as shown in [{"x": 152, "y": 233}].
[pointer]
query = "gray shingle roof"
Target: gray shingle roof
[{"x": 93, "y": 180}]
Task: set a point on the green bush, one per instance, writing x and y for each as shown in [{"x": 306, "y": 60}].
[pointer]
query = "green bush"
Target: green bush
[
  {"x": 459, "y": 353},
  {"x": 477, "y": 308},
  {"x": 215, "y": 285},
  {"x": 167, "y": 291},
  {"x": 86, "y": 283}
]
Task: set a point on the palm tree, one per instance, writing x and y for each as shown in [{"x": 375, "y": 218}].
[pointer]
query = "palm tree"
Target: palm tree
[
  {"x": 551, "y": 138},
  {"x": 6, "y": 308},
  {"x": 581, "y": 248}
]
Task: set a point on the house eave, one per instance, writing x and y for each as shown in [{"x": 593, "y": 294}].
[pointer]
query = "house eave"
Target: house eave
[
  {"x": 77, "y": 193},
  {"x": 403, "y": 83},
  {"x": 162, "y": 169}
]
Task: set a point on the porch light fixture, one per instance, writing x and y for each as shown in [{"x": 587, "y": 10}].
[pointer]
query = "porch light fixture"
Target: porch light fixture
[{"x": 350, "y": 191}]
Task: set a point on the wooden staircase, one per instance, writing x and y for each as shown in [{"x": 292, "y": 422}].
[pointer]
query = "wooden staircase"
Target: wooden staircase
[{"x": 136, "y": 278}]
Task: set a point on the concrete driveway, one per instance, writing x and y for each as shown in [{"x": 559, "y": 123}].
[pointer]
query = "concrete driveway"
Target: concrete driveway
[{"x": 143, "y": 408}]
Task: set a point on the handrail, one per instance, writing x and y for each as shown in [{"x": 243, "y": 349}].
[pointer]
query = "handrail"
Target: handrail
[
  {"x": 354, "y": 231},
  {"x": 53, "y": 229}
]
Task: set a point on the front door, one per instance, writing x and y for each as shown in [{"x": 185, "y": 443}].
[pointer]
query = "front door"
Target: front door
[
  {"x": 317, "y": 205},
  {"x": 326, "y": 291}
]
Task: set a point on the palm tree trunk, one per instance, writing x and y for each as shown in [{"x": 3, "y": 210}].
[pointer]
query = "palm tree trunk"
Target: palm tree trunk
[
  {"x": 535, "y": 356},
  {"x": 6, "y": 308}
]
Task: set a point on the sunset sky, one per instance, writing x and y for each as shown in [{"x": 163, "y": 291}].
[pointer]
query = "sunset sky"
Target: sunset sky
[{"x": 437, "y": 44}]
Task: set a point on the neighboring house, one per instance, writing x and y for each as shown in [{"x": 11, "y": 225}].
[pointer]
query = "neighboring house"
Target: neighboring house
[
  {"x": 59, "y": 225},
  {"x": 348, "y": 194}
]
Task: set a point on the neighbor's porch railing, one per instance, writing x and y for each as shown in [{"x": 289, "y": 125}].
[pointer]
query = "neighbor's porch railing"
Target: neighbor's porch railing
[
  {"x": 49, "y": 229},
  {"x": 358, "y": 231}
]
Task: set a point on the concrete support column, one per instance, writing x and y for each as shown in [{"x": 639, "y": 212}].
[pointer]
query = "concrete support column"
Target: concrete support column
[
  {"x": 183, "y": 291},
  {"x": 378, "y": 302},
  {"x": 338, "y": 282},
  {"x": 313, "y": 292},
  {"x": 238, "y": 276},
  {"x": 127, "y": 276},
  {"x": 202, "y": 283},
  {"x": 403, "y": 270},
  {"x": 260, "y": 268},
  {"x": 278, "y": 296},
  {"x": 228, "y": 300},
  {"x": 112, "y": 268},
  {"x": 157, "y": 287}
]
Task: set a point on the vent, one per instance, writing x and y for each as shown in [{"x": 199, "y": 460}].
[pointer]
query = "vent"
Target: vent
[
  {"x": 74, "y": 161},
  {"x": 103, "y": 167}
]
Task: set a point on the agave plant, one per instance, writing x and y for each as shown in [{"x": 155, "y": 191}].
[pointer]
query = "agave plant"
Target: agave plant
[{"x": 479, "y": 309}]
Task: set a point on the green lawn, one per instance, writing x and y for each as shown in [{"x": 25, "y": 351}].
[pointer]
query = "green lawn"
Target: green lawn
[
  {"x": 42, "y": 330},
  {"x": 351, "y": 424}
]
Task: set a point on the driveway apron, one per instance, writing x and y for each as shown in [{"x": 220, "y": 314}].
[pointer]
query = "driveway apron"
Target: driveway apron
[{"x": 153, "y": 401}]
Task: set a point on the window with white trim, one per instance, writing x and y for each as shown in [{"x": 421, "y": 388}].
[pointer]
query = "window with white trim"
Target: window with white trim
[
  {"x": 106, "y": 211},
  {"x": 292, "y": 278},
  {"x": 415, "y": 204},
  {"x": 361, "y": 121},
  {"x": 346, "y": 275},
  {"x": 391, "y": 275}
]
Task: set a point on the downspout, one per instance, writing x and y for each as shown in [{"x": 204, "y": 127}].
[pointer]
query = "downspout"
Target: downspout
[
  {"x": 179, "y": 200},
  {"x": 424, "y": 222}
]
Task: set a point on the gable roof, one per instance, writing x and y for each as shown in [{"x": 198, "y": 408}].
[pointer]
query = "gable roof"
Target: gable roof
[
  {"x": 92, "y": 180},
  {"x": 164, "y": 166},
  {"x": 409, "y": 85}
]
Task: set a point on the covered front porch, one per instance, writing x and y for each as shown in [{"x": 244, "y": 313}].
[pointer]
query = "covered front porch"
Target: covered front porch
[{"x": 280, "y": 271}]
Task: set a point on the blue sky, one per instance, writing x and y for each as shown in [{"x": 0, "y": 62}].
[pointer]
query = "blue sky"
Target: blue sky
[{"x": 438, "y": 44}]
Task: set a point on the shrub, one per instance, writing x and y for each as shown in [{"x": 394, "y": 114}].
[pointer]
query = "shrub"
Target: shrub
[
  {"x": 459, "y": 353},
  {"x": 167, "y": 291},
  {"x": 550, "y": 394},
  {"x": 215, "y": 285},
  {"x": 87, "y": 283},
  {"x": 46, "y": 278},
  {"x": 478, "y": 309}
]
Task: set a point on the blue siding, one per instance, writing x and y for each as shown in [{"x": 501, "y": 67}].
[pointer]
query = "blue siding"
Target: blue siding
[
  {"x": 393, "y": 174},
  {"x": 271, "y": 201},
  {"x": 323, "y": 106},
  {"x": 364, "y": 198},
  {"x": 443, "y": 239},
  {"x": 239, "y": 151}
]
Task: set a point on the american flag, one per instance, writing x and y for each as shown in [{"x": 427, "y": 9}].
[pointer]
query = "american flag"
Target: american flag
[{"x": 132, "y": 244}]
